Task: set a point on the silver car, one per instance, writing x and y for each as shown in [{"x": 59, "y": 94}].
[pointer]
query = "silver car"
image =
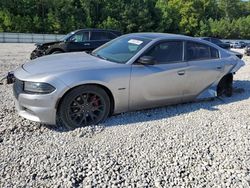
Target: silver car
[{"x": 134, "y": 71}]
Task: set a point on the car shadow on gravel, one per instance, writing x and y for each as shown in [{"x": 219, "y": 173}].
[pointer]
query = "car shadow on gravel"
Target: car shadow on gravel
[{"x": 241, "y": 92}]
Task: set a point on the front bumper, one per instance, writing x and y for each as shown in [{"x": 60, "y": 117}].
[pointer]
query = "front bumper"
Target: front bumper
[
  {"x": 39, "y": 108},
  {"x": 37, "y": 53},
  {"x": 46, "y": 115}
]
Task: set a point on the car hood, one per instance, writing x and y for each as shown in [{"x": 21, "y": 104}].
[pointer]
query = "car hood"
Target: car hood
[
  {"x": 47, "y": 43},
  {"x": 65, "y": 62}
]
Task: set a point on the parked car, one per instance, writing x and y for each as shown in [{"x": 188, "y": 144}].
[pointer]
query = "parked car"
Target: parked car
[
  {"x": 247, "y": 50},
  {"x": 243, "y": 44},
  {"x": 79, "y": 40},
  {"x": 236, "y": 45},
  {"x": 228, "y": 42},
  {"x": 132, "y": 72},
  {"x": 217, "y": 42}
]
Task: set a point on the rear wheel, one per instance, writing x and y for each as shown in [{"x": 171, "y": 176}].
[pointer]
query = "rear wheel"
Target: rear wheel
[
  {"x": 84, "y": 106},
  {"x": 225, "y": 86}
]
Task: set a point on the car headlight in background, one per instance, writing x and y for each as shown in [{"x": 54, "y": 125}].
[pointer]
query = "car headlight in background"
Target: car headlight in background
[{"x": 38, "y": 88}]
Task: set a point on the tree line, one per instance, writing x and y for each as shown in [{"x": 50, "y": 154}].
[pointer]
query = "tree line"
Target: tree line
[{"x": 217, "y": 18}]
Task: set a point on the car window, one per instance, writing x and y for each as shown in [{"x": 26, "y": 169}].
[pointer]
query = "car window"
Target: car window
[
  {"x": 122, "y": 49},
  {"x": 167, "y": 52},
  {"x": 80, "y": 36},
  {"x": 111, "y": 35},
  {"x": 197, "y": 51},
  {"x": 214, "y": 53},
  {"x": 98, "y": 35},
  {"x": 207, "y": 39},
  {"x": 216, "y": 41}
]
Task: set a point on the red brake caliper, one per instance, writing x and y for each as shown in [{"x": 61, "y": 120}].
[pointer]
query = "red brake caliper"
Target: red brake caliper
[{"x": 94, "y": 101}]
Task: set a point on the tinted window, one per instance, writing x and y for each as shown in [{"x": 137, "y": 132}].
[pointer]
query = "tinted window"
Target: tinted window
[
  {"x": 216, "y": 41},
  {"x": 98, "y": 35},
  {"x": 214, "y": 53},
  {"x": 197, "y": 51},
  {"x": 207, "y": 39},
  {"x": 80, "y": 36},
  {"x": 167, "y": 52},
  {"x": 111, "y": 35}
]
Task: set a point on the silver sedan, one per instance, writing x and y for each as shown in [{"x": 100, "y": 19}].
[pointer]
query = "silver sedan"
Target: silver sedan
[{"x": 132, "y": 72}]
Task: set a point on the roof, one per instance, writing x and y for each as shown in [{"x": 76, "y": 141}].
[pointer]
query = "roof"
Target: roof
[
  {"x": 153, "y": 36},
  {"x": 95, "y": 29}
]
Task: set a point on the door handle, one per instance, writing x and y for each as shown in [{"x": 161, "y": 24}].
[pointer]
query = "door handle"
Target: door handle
[
  {"x": 181, "y": 72},
  {"x": 86, "y": 44}
]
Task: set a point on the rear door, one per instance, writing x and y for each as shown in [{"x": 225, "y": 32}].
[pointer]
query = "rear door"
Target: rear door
[
  {"x": 204, "y": 67},
  {"x": 161, "y": 83},
  {"x": 98, "y": 38}
]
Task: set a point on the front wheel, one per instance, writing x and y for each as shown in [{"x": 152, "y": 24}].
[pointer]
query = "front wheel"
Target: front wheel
[{"x": 84, "y": 106}]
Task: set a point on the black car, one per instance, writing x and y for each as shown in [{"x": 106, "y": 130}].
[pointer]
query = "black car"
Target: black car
[
  {"x": 218, "y": 42},
  {"x": 79, "y": 40}
]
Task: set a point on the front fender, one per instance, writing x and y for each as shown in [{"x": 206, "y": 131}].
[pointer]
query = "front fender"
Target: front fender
[{"x": 117, "y": 81}]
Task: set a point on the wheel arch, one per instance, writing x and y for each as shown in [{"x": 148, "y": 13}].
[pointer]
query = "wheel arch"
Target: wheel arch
[
  {"x": 224, "y": 82},
  {"x": 106, "y": 89}
]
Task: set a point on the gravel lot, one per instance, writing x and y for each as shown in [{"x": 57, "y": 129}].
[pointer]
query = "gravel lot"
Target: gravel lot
[{"x": 202, "y": 144}]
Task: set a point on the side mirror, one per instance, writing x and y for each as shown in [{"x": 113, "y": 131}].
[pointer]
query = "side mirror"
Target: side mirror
[{"x": 146, "y": 60}]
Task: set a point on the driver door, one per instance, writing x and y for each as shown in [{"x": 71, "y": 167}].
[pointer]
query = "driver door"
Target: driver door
[{"x": 161, "y": 83}]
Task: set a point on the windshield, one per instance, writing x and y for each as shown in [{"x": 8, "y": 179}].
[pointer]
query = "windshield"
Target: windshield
[
  {"x": 121, "y": 49},
  {"x": 67, "y": 36}
]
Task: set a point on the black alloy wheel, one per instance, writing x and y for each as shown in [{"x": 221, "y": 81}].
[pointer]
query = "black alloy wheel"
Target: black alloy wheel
[{"x": 84, "y": 106}]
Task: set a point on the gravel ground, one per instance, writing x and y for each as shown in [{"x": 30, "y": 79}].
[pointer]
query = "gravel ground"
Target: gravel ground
[{"x": 202, "y": 144}]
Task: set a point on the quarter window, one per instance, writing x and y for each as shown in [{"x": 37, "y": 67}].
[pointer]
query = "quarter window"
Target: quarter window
[
  {"x": 214, "y": 53},
  {"x": 198, "y": 51},
  {"x": 167, "y": 52}
]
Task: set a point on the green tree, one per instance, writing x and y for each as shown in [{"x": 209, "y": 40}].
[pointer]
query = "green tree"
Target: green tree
[
  {"x": 5, "y": 20},
  {"x": 230, "y": 8}
]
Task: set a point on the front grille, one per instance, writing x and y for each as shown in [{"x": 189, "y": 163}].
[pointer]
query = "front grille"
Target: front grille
[{"x": 17, "y": 87}]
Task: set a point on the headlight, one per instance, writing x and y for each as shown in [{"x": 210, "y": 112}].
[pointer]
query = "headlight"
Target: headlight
[{"x": 38, "y": 88}]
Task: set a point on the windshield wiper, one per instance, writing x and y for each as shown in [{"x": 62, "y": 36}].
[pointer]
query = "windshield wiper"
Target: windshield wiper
[
  {"x": 97, "y": 55},
  {"x": 104, "y": 58}
]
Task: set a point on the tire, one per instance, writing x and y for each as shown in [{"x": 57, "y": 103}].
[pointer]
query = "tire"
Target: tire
[
  {"x": 229, "y": 91},
  {"x": 83, "y": 106}
]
